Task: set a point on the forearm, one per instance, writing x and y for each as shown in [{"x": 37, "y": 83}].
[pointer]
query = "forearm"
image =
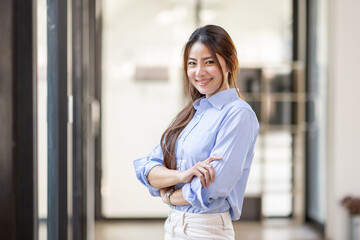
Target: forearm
[
  {"x": 177, "y": 198},
  {"x": 162, "y": 177}
]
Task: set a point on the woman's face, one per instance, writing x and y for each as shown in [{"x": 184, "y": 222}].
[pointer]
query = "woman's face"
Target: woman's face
[{"x": 203, "y": 72}]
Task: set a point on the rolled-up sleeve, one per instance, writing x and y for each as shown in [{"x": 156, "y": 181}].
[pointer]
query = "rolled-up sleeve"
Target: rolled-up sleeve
[
  {"x": 234, "y": 142},
  {"x": 143, "y": 166}
]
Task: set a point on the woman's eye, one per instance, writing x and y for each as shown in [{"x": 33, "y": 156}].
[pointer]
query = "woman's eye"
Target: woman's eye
[
  {"x": 191, "y": 63},
  {"x": 210, "y": 62}
]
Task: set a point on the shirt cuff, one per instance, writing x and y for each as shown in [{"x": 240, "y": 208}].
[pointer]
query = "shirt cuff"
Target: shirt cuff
[
  {"x": 193, "y": 194},
  {"x": 142, "y": 168}
]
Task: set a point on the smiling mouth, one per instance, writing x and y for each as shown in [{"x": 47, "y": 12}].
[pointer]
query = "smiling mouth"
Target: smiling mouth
[{"x": 204, "y": 82}]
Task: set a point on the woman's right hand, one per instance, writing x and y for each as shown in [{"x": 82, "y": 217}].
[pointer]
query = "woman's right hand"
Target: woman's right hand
[{"x": 203, "y": 170}]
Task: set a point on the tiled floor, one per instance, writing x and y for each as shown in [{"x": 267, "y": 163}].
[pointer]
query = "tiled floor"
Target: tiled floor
[{"x": 153, "y": 230}]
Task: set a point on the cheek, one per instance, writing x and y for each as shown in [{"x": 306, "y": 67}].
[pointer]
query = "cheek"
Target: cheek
[
  {"x": 190, "y": 73},
  {"x": 215, "y": 72}
]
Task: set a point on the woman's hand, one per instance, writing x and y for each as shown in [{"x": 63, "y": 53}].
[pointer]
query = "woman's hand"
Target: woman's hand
[{"x": 203, "y": 170}]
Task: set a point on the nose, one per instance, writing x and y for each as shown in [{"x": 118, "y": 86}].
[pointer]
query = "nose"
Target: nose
[{"x": 199, "y": 70}]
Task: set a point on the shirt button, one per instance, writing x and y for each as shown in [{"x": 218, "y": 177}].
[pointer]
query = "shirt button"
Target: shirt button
[{"x": 198, "y": 116}]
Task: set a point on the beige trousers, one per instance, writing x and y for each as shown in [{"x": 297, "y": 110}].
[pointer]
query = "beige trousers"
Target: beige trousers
[{"x": 182, "y": 225}]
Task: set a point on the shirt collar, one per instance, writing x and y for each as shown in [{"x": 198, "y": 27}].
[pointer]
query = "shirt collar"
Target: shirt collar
[{"x": 219, "y": 99}]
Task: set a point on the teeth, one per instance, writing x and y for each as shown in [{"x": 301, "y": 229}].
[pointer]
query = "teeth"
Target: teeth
[{"x": 204, "y": 81}]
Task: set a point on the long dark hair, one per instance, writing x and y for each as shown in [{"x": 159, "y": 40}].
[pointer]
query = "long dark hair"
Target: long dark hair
[{"x": 218, "y": 41}]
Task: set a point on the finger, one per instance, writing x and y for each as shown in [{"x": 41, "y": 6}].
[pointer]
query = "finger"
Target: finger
[
  {"x": 211, "y": 172},
  {"x": 205, "y": 172},
  {"x": 213, "y": 158},
  {"x": 202, "y": 168},
  {"x": 201, "y": 177},
  {"x": 207, "y": 177}
]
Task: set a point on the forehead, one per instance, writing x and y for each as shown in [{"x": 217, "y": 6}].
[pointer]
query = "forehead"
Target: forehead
[{"x": 199, "y": 49}]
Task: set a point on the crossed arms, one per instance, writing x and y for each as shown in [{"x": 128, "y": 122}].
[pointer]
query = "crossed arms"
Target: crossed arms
[{"x": 163, "y": 178}]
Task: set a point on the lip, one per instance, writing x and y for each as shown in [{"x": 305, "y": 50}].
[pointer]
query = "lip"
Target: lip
[{"x": 203, "y": 82}]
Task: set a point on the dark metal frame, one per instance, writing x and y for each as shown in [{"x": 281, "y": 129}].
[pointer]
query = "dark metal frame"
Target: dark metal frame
[
  {"x": 73, "y": 216},
  {"x": 58, "y": 207},
  {"x": 86, "y": 65},
  {"x": 295, "y": 32},
  {"x": 311, "y": 28},
  {"x": 96, "y": 45},
  {"x": 295, "y": 57},
  {"x": 18, "y": 118},
  {"x": 26, "y": 118},
  {"x": 79, "y": 182},
  {"x": 68, "y": 185},
  {"x": 308, "y": 114},
  {"x": 98, "y": 95}
]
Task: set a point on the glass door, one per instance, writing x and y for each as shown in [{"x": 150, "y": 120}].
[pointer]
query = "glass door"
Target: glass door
[{"x": 142, "y": 89}]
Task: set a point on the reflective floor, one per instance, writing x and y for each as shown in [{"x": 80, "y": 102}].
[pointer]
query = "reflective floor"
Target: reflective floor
[{"x": 153, "y": 230}]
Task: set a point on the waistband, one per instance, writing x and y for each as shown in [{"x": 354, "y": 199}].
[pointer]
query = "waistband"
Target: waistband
[{"x": 205, "y": 218}]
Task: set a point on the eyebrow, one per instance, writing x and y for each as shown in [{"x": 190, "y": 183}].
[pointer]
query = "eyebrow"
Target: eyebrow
[{"x": 205, "y": 58}]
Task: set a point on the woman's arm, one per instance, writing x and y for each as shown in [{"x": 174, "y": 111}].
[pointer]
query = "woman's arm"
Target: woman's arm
[
  {"x": 176, "y": 198},
  {"x": 162, "y": 177},
  {"x": 203, "y": 170}
]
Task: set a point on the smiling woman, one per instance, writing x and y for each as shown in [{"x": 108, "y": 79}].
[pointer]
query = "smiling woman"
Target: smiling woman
[
  {"x": 203, "y": 71},
  {"x": 201, "y": 166},
  {"x": 210, "y": 55}
]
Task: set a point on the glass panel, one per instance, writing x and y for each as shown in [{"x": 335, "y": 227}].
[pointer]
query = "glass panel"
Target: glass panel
[
  {"x": 281, "y": 82},
  {"x": 277, "y": 174},
  {"x": 142, "y": 87},
  {"x": 261, "y": 30},
  {"x": 280, "y": 113},
  {"x": 277, "y": 147},
  {"x": 256, "y": 106},
  {"x": 277, "y": 204},
  {"x": 254, "y": 185},
  {"x": 249, "y": 80},
  {"x": 42, "y": 116},
  {"x": 265, "y": 53}
]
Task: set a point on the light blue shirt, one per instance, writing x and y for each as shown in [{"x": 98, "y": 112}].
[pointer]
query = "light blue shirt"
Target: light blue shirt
[{"x": 223, "y": 125}]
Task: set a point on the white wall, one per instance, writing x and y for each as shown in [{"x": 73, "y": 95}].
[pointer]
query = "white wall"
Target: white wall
[{"x": 344, "y": 112}]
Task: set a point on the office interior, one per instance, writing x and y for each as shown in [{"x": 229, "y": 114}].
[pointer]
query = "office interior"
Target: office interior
[{"x": 89, "y": 86}]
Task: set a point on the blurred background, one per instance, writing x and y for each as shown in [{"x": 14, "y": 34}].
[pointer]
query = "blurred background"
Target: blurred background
[{"x": 89, "y": 86}]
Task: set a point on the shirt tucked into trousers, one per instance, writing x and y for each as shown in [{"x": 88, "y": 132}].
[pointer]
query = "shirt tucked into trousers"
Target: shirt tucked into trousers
[
  {"x": 223, "y": 125},
  {"x": 182, "y": 225}
]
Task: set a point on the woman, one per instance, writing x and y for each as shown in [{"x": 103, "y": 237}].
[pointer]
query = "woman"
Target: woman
[{"x": 201, "y": 166}]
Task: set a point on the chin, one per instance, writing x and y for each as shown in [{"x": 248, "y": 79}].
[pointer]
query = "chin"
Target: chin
[{"x": 206, "y": 92}]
